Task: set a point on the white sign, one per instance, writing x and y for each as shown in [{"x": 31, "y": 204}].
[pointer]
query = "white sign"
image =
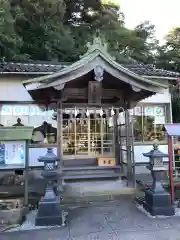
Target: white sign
[
  {"x": 12, "y": 153},
  {"x": 159, "y": 120}
]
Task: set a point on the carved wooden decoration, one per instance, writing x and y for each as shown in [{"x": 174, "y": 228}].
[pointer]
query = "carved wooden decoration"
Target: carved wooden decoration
[
  {"x": 94, "y": 92},
  {"x": 98, "y": 73}
]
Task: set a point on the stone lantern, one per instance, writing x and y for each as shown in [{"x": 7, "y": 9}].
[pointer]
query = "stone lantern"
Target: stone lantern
[
  {"x": 157, "y": 199},
  {"x": 49, "y": 211}
]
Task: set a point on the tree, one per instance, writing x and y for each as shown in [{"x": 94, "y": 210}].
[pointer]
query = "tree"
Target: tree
[
  {"x": 145, "y": 43},
  {"x": 168, "y": 55},
  {"x": 39, "y": 23},
  {"x": 59, "y": 30},
  {"x": 9, "y": 40}
]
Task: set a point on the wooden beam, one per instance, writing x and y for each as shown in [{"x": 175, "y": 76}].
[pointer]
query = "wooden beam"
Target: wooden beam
[{"x": 81, "y": 93}]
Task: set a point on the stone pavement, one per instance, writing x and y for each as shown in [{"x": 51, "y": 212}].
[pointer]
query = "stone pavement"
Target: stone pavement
[{"x": 111, "y": 221}]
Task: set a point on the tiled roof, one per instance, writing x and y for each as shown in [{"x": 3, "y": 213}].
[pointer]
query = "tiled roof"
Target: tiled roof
[
  {"x": 150, "y": 70},
  {"x": 35, "y": 67},
  {"x": 49, "y": 67}
]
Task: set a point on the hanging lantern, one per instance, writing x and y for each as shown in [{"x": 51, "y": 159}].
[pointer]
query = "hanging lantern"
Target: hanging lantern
[
  {"x": 111, "y": 3},
  {"x": 112, "y": 112}
]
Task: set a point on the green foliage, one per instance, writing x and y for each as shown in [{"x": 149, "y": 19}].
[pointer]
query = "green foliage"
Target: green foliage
[
  {"x": 176, "y": 110},
  {"x": 59, "y": 30},
  {"x": 10, "y": 42},
  {"x": 168, "y": 57}
]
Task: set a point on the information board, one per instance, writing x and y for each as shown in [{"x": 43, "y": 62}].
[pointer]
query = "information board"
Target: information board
[{"x": 12, "y": 153}]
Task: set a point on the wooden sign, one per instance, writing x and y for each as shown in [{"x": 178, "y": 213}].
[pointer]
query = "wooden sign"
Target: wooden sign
[
  {"x": 94, "y": 92},
  {"x": 105, "y": 161}
]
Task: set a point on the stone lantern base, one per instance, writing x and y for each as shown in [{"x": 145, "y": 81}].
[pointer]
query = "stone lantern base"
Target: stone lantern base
[
  {"x": 49, "y": 211},
  {"x": 158, "y": 203}
]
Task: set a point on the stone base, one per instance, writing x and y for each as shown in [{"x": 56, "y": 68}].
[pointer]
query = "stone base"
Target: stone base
[
  {"x": 13, "y": 216},
  {"x": 49, "y": 214},
  {"x": 49, "y": 211},
  {"x": 158, "y": 204},
  {"x": 48, "y": 221}
]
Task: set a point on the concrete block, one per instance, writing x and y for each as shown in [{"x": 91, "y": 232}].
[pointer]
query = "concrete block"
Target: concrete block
[{"x": 13, "y": 216}]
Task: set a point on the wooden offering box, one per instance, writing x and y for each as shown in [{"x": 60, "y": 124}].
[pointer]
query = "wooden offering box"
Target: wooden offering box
[{"x": 106, "y": 161}]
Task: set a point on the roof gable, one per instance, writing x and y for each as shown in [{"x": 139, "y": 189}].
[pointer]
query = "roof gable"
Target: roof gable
[{"x": 96, "y": 55}]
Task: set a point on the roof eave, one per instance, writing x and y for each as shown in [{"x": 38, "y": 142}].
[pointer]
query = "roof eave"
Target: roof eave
[
  {"x": 26, "y": 73},
  {"x": 86, "y": 60},
  {"x": 49, "y": 73},
  {"x": 160, "y": 77}
]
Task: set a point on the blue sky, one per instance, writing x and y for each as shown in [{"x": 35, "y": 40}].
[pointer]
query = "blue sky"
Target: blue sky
[{"x": 164, "y": 14}]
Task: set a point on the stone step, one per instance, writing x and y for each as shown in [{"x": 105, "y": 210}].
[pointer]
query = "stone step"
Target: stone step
[
  {"x": 91, "y": 176},
  {"x": 96, "y": 199},
  {"x": 72, "y": 168},
  {"x": 90, "y": 172}
]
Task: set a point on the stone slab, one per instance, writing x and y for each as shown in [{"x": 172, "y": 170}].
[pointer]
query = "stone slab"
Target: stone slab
[{"x": 13, "y": 216}]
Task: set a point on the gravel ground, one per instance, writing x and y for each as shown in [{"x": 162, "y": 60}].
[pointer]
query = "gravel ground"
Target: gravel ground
[{"x": 111, "y": 221}]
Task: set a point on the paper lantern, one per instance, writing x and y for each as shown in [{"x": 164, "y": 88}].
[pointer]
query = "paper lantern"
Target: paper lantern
[{"x": 115, "y": 3}]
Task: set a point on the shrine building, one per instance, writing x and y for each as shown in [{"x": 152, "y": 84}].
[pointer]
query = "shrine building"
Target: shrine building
[{"x": 98, "y": 115}]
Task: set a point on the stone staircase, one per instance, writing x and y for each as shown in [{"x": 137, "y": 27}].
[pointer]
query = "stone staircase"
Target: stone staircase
[
  {"x": 76, "y": 173},
  {"x": 88, "y": 169},
  {"x": 94, "y": 192}
]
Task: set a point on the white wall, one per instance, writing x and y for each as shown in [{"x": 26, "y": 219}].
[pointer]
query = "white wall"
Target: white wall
[
  {"x": 159, "y": 98},
  {"x": 35, "y": 153},
  {"x": 11, "y": 89},
  {"x": 139, "y": 150}
]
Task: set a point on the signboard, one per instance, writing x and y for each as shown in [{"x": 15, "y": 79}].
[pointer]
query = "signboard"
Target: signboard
[
  {"x": 159, "y": 120},
  {"x": 12, "y": 154},
  {"x": 149, "y": 111},
  {"x": 25, "y": 110},
  {"x": 94, "y": 92},
  {"x": 154, "y": 111}
]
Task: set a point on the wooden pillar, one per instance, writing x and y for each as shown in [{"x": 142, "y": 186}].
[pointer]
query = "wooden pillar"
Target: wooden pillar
[
  {"x": 132, "y": 153},
  {"x": 116, "y": 138},
  {"x": 59, "y": 129},
  {"x": 59, "y": 140},
  {"x": 128, "y": 146},
  {"x": 102, "y": 135},
  {"x": 119, "y": 130},
  {"x": 26, "y": 170}
]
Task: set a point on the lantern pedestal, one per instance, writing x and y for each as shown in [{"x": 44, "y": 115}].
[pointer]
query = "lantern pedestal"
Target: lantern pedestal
[
  {"x": 157, "y": 199},
  {"x": 49, "y": 210},
  {"x": 158, "y": 204}
]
